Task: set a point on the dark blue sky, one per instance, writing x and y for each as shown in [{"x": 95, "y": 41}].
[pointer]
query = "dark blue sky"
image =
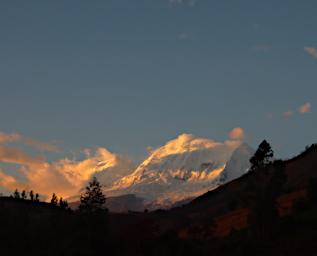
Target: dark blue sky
[{"x": 130, "y": 74}]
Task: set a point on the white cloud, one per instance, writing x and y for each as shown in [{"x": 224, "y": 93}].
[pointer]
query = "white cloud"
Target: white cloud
[
  {"x": 312, "y": 51},
  {"x": 305, "y": 108},
  {"x": 237, "y": 134}
]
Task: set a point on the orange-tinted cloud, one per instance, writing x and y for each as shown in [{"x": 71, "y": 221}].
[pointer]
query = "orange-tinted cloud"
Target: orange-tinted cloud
[
  {"x": 9, "y": 182},
  {"x": 17, "y": 156},
  {"x": 65, "y": 177},
  {"x": 39, "y": 145},
  {"x": 237, "y": 134},
  {"x": 305, "y": 108},
  {"x": 9, "y": 137}
]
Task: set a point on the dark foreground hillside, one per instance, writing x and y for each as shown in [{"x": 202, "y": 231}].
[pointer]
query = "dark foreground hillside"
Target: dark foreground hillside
[{"x": 270, "y": 211}]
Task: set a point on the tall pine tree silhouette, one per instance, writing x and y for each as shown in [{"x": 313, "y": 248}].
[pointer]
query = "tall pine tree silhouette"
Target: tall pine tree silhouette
[
  {"x": 262, "y": 157},
  {"x": 93, "y": 199}
]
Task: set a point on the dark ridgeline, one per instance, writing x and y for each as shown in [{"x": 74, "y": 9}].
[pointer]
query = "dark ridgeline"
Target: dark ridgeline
[{"x": 271, "y": 210}]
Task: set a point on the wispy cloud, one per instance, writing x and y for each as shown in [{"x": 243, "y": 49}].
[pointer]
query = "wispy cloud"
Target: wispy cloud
[
  {"x": 302, "y": 109},
  {"x": 288, "y": 114},
  {"x": 9, "y": 137},
  {"x": 237, "y": 134},
  {"x": 16, "y": 156},
  {"x": 40, "y": 145},
  {"x": 305, "y": 108},
  {"x": 9, "y": 182},
  {"x": 6, "y": 138},
  {"x": 312, "y": 51}
]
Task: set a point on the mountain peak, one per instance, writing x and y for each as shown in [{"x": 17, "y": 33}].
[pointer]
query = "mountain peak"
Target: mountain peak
[
  {"x": 184, "y": 143},
  {"x": 184, "y": 167}
]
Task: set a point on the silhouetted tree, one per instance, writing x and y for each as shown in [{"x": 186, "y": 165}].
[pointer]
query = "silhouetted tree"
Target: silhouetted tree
[
  {"x": 37, "y": 197},
  {"x": 23, "y": 195},
  {"x": 262, "y": 157},
  {"x": 31, "y": 194},
  {"x": 16, "y": 194},
  {"x": 63, "y": 203},
  {"x": 54, "y": 199},
  {"x": 93, "y": 199}
]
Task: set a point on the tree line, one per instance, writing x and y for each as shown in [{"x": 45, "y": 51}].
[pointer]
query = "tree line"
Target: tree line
[{"x": 91, "y": 201}]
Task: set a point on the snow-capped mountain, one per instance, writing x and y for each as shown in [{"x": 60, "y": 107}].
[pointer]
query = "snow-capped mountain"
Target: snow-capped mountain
[
  {"x": 238, "y": 164},
  {"x": 185, "y": 167}
]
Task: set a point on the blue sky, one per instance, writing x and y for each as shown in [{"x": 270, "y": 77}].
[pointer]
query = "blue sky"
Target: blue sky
[{"x": 126, "y": 75}]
